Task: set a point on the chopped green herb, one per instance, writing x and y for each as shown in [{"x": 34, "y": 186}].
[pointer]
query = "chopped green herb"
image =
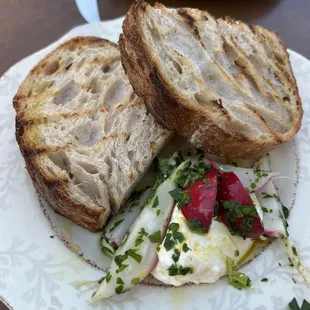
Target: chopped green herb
[
  {"x": 178, "y": 236},
  {"x": 237, "y": 253},
  {"x": 133, "y": 254},
  {"x": 264, "y": 280},
  {"x": 267, "y": 196},
  {"x": 185, "y": 199},
  {"x": 108, "y": 277},
  {"x": 101, "y": 280},
  {"x": 158, "y": 212},
  {"x": 155, "y": 203},
  {"x": 134, "y": 204},
  {"x": 173, "y": 270},
  {"x": 119, "y": 259},
  {"x": 176, "y": 255},
  {"x": 280, "y": 264},
  {"x": 155, "y": 237},
  {"x": 286, "y": 211},
  {"x": 237, "y": 210},
  {"x": 119, "y": 281},
  {"x": 305, "y": 305},
  {"x": 265, "y": 210},
  {"x": 173, "y": 236},
  {"x": 293, "y": 305},
  {"x": 277, "y": 197},
  {"x": 253, "y": 185},
  {"x": 294, "y": 250},
  {"x": 257, "y": 172},
  {"x": 265, "y": 174},
  {"x": 121, "y": 268},
  {"x": 139, "y": 240},
  {"x": 169, "y": 242},
  {"x": 52, "y": 237},
  {"x": 182, "y": 197},
  {"x": 193, "y": 173},
  {"x": 205, "y": 180},
  {"x": 176, "y": 194},
  {"x": 135, "y": 281},
  {"x": 247, "y": 224},
  {"x": 115, "y": 225},
  {"x": 233, "y": 210},
  {"x": 294, "y": 280},
  {"x": 237, "y": 279},
  {"x": 164, "y": 167},
  {"x": 106, "y": 248},
  {"x": 125, "y": 238},
  {"x": 196, "y": 226},
  {"x": 185, "y": 248},
  {"x": 119, "y": 289},
  {"x": 174, "y": 227},
  {"x": 185, "y": 270},
  {"x": 216, "y": 209}
]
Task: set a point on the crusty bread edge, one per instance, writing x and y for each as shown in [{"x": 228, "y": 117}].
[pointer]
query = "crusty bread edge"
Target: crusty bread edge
[
  {"x": 170, "y": 110},
  {"x": 54, "y": 191}
]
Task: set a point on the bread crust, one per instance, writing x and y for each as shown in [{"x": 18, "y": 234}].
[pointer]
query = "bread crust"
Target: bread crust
[
  {"x": 172, "y": 110},
  {"x": 55, "y": 190}
]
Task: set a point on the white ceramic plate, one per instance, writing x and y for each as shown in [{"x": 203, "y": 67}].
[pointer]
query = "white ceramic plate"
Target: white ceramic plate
[{"x": 39, "y": 272}]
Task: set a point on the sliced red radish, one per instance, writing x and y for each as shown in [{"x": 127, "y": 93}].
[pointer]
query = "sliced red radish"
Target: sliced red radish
[
  {"x": 252, "y": 179},
  {"x": 199, "y": 211},
  {"x": 236, "y": 208}
]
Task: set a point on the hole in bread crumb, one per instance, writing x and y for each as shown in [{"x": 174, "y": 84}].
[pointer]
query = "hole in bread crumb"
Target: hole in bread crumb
[
  {"x": 81, "y": 63},
  {"x": 177, "y": 66},
  {"x": 132, "y": 97},
  {"x": 95, "y": 86},
  {"x": 52, "y": 68},
  {"x": 88, "y": 134},
  {"x": 60, "y": 159},
  {"x": 89, "y": 71},
  {"x": 88, "y": 187},
  {"x": 201, "y": 99},
  {"x": 39, "y": 88},
  {"x": 130, "y": 155},
  {"x": 105, "y": 68},
  {"x": 95, "y": 116},
  {"x": 67, "y": 93},
  {"x": 92, "y": 169},
  {"x": 108, "y": 162},
  {"x": 83, "y": 99},
  {"x": 68, "y": 63}
]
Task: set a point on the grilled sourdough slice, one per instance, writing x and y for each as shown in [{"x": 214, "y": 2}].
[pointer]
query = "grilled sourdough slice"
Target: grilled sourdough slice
[
  {"x": 225, "y": 86},
  {"x": 85, "y": 136}
]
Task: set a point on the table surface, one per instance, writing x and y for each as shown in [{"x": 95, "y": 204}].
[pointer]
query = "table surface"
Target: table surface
[{"x": 36, "y": 24}]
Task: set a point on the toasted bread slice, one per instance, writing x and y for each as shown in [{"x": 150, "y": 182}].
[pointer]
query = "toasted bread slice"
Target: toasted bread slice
[
  {"x": 86, "y": 137},
  {"x": 225, "y": 86}
]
